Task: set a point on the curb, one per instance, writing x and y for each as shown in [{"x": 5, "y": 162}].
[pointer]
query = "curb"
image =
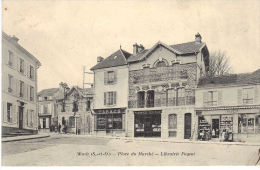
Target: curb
[{"x": 19, "y": 139}]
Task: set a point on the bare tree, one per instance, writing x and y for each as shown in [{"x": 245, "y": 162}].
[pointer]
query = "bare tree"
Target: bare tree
[{"x": 219, "y": 64}]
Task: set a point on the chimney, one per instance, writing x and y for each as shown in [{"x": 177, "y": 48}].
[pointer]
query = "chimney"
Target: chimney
[
  {"x": 135, "y": 48},
  {"x": 140, "y": 48},
  {"x": 198, "y": 38},
  {"x": 99, "y": 59},
  {"x": 15, "y": 38}
]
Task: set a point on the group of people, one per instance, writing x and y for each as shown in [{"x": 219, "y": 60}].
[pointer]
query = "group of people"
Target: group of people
[
  {"x": 226, "y": 135},
  {"x": 58, "y": 128}
]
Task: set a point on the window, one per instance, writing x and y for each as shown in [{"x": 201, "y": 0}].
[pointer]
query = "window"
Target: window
[
  {"x": 172, "y": 121},
  {"x": 72, "y": 121},
  {"x": 10, "y": 58},
  {"x": 249, "y": 123},
  {"x": 110, "y": 77},
  {"x": 45, "y": 109},
  {"x": 150, "y": 98},
  {"x": 21, "y": 65},
  {"x": 180, "y": 96},
  {"x": 110, "y": 98},
  {"x": 171, "y": 97},
  {"x": 31, "y": 72},
  {"x": 21, "y": 89},
  {"x": 75, "y": 106},
  {"x": 161, "y": 64},
  {"x": 101, "y": 121},
  {"x": 140, "y": 99},
  {"x": 31, "y": 93},
  {"x": 9, "y": 107},
  {"x": 63, "y": 107},
  {"x": 44, "y": 122},
  {"x": 117, "y": 121},
  {"x": 248, "y": 94},
  {"x": 45, "y": 98},
  {"x": 10, "y": 80},
  {"x": 212, "y": 98}
]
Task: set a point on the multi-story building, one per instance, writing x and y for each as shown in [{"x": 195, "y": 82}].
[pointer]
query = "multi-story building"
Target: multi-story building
[
  {"x": 19, "y": 87},
  {"x": 110, "y": 93},
  {"x": 47, "y": 109},
  {"x": 162, "y": 82},
  {"x": 74, "y": 110},
  {"x": 151, "y": 92},
  {"x": 229, "y": 103}
]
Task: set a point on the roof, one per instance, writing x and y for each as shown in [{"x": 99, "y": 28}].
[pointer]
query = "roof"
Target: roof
[
  {"x": 118, "y": 58},
  {"x": 14, "y": 40},
  {"x": 189, "y": 47},
  {"x": 48, "y": 92},
  {"x": 179, "y": 49},
  {"x": 231, "y": 79},
  {"x": 83, "y": 92}
]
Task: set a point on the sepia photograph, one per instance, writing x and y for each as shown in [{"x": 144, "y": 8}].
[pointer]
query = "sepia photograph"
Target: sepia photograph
[{"x": 130, "y": 83}]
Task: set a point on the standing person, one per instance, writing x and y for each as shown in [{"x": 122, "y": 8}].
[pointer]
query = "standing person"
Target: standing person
[{"x": 59, "y": 127}]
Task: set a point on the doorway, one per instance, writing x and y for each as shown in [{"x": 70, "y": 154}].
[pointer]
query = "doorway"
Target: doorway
[
  {"x": 187, "y": 125},
  {"x": 215, "y": 128},
  {"x": 21, "y": 117}
]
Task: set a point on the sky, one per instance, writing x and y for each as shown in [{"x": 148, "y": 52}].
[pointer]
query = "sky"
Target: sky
[{"x": 66, "y": 35}]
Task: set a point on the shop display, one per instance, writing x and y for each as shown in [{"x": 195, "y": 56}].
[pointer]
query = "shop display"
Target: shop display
[{"x": 204, "y": 129}]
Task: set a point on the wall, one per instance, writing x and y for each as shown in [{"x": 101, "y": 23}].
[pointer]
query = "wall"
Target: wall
[
  {"x": 14, "y": 95},
  {"x": 121, "y": 87}
]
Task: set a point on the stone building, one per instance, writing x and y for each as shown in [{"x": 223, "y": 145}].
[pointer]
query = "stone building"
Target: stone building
[
  {"x": 47, "y": 109},
  {"x": 110, "y": 93},
  {"x": 162, "y": 82},
  {"x": 229, "y": 103},
  {"x": 19, "y": 88},
  {"x": 150, "y": 93},
  {"x": 74, "y": 110}
]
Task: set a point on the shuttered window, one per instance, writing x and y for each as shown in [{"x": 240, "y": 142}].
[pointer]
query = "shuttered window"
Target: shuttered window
[
  {"x": 211, "y": 98},
  {"x": 9, "y": 108},
  {"x": 110, "y": 77},
  {"x": 248, "y": 95},
  {"x": 172, "y": 121},
  {"x": 110, "y": 98}
]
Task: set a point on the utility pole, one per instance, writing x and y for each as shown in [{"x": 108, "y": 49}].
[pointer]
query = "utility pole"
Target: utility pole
[{"x": 84, "y": 75}]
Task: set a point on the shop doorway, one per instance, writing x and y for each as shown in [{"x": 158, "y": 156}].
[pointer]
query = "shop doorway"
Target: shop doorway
[
  {"x": 21, "y": 117},
  {"x": 215, "y": 128},
  {"x": 187, "y": 125}
]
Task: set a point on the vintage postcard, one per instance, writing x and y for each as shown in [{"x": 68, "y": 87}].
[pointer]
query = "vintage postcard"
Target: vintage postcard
[{"x": 130, "y": 83}]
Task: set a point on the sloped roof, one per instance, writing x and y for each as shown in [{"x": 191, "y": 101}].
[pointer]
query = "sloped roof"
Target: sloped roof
[
  {"x": 48, "y": 92},
  {"x": 179, "y": 49},
  {"x": 189, "y": 47},
  {"x": 118, "y": 58},
  {"x": 232, "y": 79}
]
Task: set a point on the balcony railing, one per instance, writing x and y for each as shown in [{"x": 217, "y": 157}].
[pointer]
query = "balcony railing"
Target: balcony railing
[{"x": 181, "y": 101}]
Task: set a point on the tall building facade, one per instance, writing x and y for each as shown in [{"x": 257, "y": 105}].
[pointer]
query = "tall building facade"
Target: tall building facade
[
  {"x": 19, "y": 87},
  {"x": 229, "y": 103}
]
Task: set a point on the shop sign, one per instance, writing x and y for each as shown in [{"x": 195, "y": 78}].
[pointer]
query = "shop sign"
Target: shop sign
[
  {"x": 109, "y": 111},
  {"x": 148, "y": 112}
]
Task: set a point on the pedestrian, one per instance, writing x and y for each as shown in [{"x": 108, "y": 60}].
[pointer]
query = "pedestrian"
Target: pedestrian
[{"x": 59, "y": 127}]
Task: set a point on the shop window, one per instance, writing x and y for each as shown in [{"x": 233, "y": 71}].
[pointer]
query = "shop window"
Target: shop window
[
  {"x": 257, "y": 124},
  {"x": 248, "y": 123},
  {"x": 117, "y": 121},
  {"x": 110, "y": 98},
  {"x": 248, "y": 94},
  {"x": 140, "y": 99},
  {"x": 172, "y": 121},
  {"x": 150, "y": 98},
  {"x": 101, "y": 122},
  {"x": 171, "y": 97}
]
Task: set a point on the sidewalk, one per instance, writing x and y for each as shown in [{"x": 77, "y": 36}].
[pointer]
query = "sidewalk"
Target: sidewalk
[
  {"x": 26, "y": 137},
  {"x": 165, "y": 140}
]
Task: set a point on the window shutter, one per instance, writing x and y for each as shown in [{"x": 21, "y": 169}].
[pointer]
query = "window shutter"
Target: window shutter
[
  {"x": 105, "y": 102},
  {"x": 114, "y": 97},
  {"x": 219, "y": 98},
  {"x": 105, "y": 77},
  {"x": 239, "y": 96},
  {"x": 205, "y": 98},
  {"x": 4, "y": 112},
  {"x": 115, "y": 76}
]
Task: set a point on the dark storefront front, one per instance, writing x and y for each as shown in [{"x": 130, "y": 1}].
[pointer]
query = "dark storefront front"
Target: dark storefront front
[
  {"x": 109, "y": 120},
  {"x": 147, "y": 123}
]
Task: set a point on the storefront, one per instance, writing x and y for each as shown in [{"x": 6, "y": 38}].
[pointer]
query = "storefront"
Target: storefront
[
  {"x": 109, "y": 121},
  {"x": 238, "y": 124},
  {"x": 147, "y": 123}
]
